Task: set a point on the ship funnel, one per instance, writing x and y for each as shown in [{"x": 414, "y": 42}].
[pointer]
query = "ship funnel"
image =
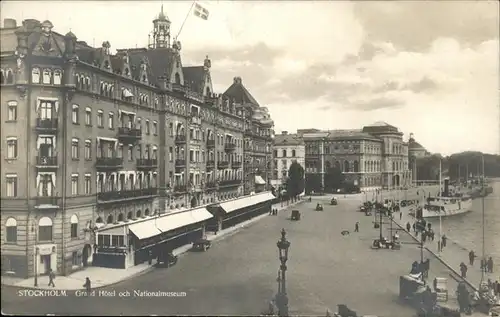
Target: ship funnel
[{"x": 446, "y": 189}]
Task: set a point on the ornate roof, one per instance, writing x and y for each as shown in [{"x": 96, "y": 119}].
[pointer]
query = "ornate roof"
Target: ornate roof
[{"x": 240, "y": 94}]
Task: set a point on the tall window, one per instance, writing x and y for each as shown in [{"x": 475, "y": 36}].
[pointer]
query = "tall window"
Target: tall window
[
  {"x": 75, "y": 149},
  {"x": 74, "y": 114},
  {"x": 111, "y": 120},
  {"x": 120, "y": 151},
  {"x": 12, "y": 111},
  {"x": 138, "y": 124},
  {"x": 130, "y": 154},
  {"x": 11, "y": 148},
  {"x": 293, "y": 153},
  {"x": 74, "y": 226},
  {"x": 88, "y": 149},
  {"x": 46, "y": 109},
  {"x": 11, "y": 182},
  {"x": 11, "y": 228},
  {"x": 88, "y": 116},
  {"x": 57, "y": 77},
  {"x": 35, "y": 76},
  {"x": 47, "y": 74},
  {"x": 147, "y": 127},
  {"x": 45, "y": 229},
  {"x": 170, "y": 154},
  {"x": 100, "y": 118},
  {"x": 155, "y": 128},
  {"x": 74, "y": 184},
  {"x": 88, "y": 184},
  {"x": 171, "y": 129},
  {"x": 45, "y": 185}
]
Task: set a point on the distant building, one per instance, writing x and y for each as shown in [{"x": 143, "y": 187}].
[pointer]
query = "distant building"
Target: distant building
[
  {"x": 373, "y": 157},
  {"x": 287, "y": 149},
  {"x": 415, "y": 151}
]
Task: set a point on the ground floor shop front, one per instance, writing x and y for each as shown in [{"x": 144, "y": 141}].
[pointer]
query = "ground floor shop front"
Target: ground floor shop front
[{"x": 123, "y": 246}]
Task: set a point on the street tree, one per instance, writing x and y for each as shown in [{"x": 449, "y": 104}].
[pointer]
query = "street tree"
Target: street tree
[
  {"x": 295, "y": 182},
  {"x": 334, "y": 178}
]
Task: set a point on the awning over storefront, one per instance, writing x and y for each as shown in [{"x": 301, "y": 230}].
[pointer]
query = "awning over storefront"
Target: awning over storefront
[
  {"x": 230, "y": 206},
  {"x": 145, "y": 229},
  {"x": 259, "y": 180}
]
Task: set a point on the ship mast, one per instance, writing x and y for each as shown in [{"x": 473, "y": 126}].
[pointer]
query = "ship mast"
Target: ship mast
[
  {"x": 440, "y": 194},
  {"x": 482, "y": 205}
]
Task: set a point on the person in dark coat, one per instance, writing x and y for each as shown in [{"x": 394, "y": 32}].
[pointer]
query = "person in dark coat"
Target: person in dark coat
[
  {"x": 52, "y": 277},
  {"x": 490, "y": 265},
  {"x": 408, "y": 226},
  {"x": 463, "y": 270},
  {"x": 471, "y": 258},
  {"x": 87, "y": 285},
  {"x": 356, "y": 227},
  {"x": 443, "y": 241},
  {"x": 414, "y": 227}
]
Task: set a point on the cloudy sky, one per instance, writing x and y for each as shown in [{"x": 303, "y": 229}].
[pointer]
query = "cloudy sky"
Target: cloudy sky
[{"x": 428, "y": 68}]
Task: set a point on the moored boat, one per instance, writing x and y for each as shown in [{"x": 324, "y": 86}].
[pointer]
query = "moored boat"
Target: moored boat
[{"x": 442, "y": 206}]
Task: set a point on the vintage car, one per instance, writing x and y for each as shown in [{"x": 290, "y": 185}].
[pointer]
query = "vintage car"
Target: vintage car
[
  {"x": 319, "y": 207},
  {"x": 386, "y": 244},
  {"x": 333, "y": 201},
  {"x": 166, "y": 259},
  {"x": 295, "y": 215},
  {"x": 201, "y": 245}
]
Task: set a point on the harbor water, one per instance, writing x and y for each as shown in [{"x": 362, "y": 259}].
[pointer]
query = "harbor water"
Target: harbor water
[{"x": 466, "y": 230}]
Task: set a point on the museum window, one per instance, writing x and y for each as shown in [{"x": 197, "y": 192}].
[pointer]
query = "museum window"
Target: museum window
[
  {"x": 45, "y": 229},
  {"x": 100, "y": 118},
  {"x": 88, "y": 116},
  {"x": 47, "y": 76},
  {"x": 88, "y": 150},
  {"x": 88, "y": 184},
  {"x": 11, "y": 230},
  {"x": 74, "y": 226},
  {"x": 75, "y": 149},
  {"x": 57, "y": 77},
  {"x": 12, "y": 110},
  {"x": 74, "y": 184},
  {"x": 75, "y": 114},
  {"x": 35, "y": 76},
  {"x": 11, "y": 148},
  {"x": 111, "y": 121}
]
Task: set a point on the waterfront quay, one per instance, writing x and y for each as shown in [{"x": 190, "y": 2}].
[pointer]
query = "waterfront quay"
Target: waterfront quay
[{"x": 237, "y": 276}]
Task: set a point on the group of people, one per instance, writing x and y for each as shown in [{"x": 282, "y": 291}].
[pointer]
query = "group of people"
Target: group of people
[
  {"x": 52, "y": 277},
  {"x": 486, "y": 264}
]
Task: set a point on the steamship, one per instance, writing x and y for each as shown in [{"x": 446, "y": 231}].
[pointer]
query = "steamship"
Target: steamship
[{"x": 445, "y": 205}]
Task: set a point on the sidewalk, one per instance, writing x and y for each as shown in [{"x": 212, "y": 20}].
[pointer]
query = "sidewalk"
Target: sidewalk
[
  {"x": 102, "y": 277},
  {"x": 451, "y": 256}
]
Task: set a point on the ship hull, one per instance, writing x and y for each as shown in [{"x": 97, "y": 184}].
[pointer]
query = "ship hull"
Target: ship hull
[{"x": 450, "y": 210}]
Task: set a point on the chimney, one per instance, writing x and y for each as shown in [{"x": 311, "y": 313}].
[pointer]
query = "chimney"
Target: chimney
[
  {"x": 284, "y": 132},
  {"x": 9, "y": 23},
  {"x": 237, "y": 80}
]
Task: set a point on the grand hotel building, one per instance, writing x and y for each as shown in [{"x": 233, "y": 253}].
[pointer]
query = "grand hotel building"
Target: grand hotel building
[{"x": 96, "y": 146}]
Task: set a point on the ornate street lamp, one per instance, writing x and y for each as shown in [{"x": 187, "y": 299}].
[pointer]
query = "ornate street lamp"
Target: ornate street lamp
[{"x": 282, "y": 298}]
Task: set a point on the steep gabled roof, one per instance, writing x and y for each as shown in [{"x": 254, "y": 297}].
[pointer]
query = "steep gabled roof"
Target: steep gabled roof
[
  {"x": 240, "y": 94},
  {"x": 161, "y": 61},
  {"x": 194, "y": 77}
]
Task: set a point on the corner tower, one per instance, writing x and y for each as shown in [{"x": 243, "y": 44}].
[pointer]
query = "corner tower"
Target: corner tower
[{"x": 161, "y": 31}]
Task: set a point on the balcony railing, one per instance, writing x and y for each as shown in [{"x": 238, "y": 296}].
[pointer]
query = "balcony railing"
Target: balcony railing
[
  {"x": 109, "y": 163},
  {"x": 180, "y": 139},
  {"x": 179, "y": 88},
  {"x": 47, "y": 201},
  {"x": 129, "y": 135},
  {"x": 236, "y": 164},
  {"x": 47, "y": 125},
  {"x": 46, "y": 161},
  {"x": 147, "y": 163},
  {"x": 230, "y": 146},
  {"x": 222, "y": 164},
  {"x": 126, "y": 194},
  {"x": 195, "y": 120},
  {"x": 210, "y": 144},
  {"x": 232, "y": 182},
  {"x": 210, "y": 164},
  {"x": 180, "y": 188},
  {"x": 180, "y": 163}
]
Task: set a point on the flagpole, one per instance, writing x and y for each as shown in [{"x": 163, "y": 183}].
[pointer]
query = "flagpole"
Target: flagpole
[
  {"x": 185, "y": 19},
  {"x": 440, "y": 194}
]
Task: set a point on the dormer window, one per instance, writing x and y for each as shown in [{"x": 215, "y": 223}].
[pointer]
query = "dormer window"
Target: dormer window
[
  {"x": 35, "y": 76},
  {"x": 47, "y": 76}
]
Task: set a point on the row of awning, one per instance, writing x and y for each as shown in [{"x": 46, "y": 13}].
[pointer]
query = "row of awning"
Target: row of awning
[
  {"x": 232, "y": 205},
  {"x": 158, "y": 225}
]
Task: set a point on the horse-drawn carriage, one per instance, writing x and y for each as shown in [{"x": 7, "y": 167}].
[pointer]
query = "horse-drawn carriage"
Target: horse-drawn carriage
[
  {"x": 334, "y": 201},
  {"x": 202, "y": 245},
  {"x": 383, "y": 243},
  {"x": 319, "y": 207},
  {"x": 295, "y": 215}
]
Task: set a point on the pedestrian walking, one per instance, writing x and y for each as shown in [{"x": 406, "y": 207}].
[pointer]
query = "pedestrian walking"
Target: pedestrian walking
[
  {"x": 87, "y": 285},
  {"x": 483, "y": 265},
  {"x": 400, "y": 215},
  {"x": 490, "y": 265},
  {"x": 463, "y": 270},
  {"x": 408, "y": 226},
  {"x": 439, "y": 245},
  {"x": 443, "y": 241},
  {"x": 356, "y": 227},
  {"x": 414, "y": 227},
  {"x": 150, "y": 257},
  {"x": 52, "y": 277},
  {"x": 471, "y": 257}
]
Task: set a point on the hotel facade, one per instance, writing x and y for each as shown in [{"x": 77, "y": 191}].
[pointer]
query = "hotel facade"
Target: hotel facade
[{"x": 107, "y": 158}]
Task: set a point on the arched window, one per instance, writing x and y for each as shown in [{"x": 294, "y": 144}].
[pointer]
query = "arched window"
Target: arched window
[
  {"x": 356, "y": 167},
  {"x": 47, "y": 74},
  {"x": 74, "y": 226},
  {"x": 35, "y": 75},
  {"x": 138, "y": 214},
  {"x": 293, "y": 153},
  {"x": 57, "y": 77},
  {"x": 45, "y": 229},
  {"x": 120, "y": 217},
  {"x": 208, "y": 91},
  {"x": 111, "y": 91},
  {"x": 346, "y": 166},
  {"x": 110, "y": 219},
  {"x": 10, "y": 76},
  {"x": 146, "y": 212},
  {"x": 129, "y": 215},
  {"x": 177, "y": 78},
  {"x": 75, "y": 114},
  {"x": 11, "y": 228},
  {"x": 102, "y": 88},
  {"x": 87, "y": 83}
]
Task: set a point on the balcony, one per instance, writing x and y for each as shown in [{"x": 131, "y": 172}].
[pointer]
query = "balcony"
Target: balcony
[
  {"x": 210, "y": 144},
  {"x": 210, "y": 165},
  {"x": 126, "y": 194},
  {"x": 227, "y": 183},
  {"x": 47, "y": 202},
  {"x": 230, "y": 146},
  {"x": 50, "y": 125},
  {"x": 180, "y": 139},
  {"x": 222, "y": 164},
  {"x": 46, "y": 162},
  {"x": 129, "y": 135},
  {"x": 180, "y": 188},
  {"x": 236, "y": 164},
  {"x": 147, "y": 163},
  {"x": 108, "y": 163},
  {"x": 195, "y": 120},
  {"x": 179, "y": 88},
  {"x": 180, "y": 163}
]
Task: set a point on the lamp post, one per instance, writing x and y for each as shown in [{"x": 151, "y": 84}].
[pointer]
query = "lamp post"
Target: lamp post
[
  {"x": 35, "y": 262},
  {"x": 282, "y": 298}
]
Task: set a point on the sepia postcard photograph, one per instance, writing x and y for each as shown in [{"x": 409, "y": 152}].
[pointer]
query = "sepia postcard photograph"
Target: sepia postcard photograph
[{"x": 250, "y": 158}]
